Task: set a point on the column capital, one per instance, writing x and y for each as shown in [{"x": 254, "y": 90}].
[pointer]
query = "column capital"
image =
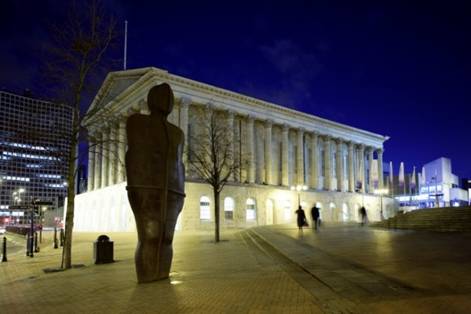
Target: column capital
[
  {"x": 250, "y": 119},
  {"x": 325, "y": 137},
  {"x": 185, "y": 101},
  {"x": 379, "y": 150},
  {"x": 351, "y": 145},
  {"x": 314, "y": 134},
  {"x": 268, "y": 123},
  {"x": 285, "y": 127}
]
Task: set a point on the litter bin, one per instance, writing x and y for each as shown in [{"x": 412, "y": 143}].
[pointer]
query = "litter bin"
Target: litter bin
[{"x": 103, "y": 250}]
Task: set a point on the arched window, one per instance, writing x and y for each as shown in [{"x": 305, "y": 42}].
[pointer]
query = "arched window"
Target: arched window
[
  {"x": 319, "y": 205},
  {"x": 229, "y": 206},
  {"x": 251, "y": 210},
  {"x": 332, "y": 211},
  {"x": 356, "y": 212},
  {"x": 205, "y": 212},
  {"x": 345, "y": 212},
  {"x": 287, "y": 210}
]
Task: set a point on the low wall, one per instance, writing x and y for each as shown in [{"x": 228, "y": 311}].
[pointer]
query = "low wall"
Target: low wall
[{"x": 108, "y": 209}]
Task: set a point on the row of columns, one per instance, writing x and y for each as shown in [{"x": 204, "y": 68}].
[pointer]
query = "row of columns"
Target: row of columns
[
  {"x": 107, "y": 150},
  {"x": 106, "y": 156},
  {"x": 266, "y": 161}
]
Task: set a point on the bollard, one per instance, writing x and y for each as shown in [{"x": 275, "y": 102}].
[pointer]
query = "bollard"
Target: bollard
[
  {"x": 28, "y": 242},
  {"x": 31, "y": 245},
  {"x": 36, "y": 244},
  {"x": 4, "y": 254},
  {"x": 55, "y": 238},
  {"x": 62, "y": 237}
]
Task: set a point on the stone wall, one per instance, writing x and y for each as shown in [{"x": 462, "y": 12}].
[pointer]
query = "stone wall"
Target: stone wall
[{"x": 108, "y": 209}]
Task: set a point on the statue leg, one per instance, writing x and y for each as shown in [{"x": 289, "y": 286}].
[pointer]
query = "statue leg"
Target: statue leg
[
  {"x": 174, "y": 207},
  {"x": 146, "y": 206}
]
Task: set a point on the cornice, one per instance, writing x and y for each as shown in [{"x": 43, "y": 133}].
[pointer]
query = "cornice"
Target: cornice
[{"x": 227, "y": 100}]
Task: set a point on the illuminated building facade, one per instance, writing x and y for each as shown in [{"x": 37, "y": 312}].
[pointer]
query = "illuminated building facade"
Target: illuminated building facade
[
  {"x": 284, "y": 148},
  {"x": 437, "y": 187},
  {"x": 34, "y": 145}
]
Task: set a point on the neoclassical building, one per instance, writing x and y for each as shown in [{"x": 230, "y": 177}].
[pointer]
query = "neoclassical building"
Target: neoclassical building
[{"x": 338, "y": 166}]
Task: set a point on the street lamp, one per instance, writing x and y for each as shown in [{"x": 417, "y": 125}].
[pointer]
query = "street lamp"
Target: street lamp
[
  {"x": 381, "y": 192},
  {"x": 299, "y": 188}
]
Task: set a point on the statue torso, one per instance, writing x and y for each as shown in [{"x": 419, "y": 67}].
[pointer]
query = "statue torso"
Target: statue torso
[{"x": 152, "y": 155}]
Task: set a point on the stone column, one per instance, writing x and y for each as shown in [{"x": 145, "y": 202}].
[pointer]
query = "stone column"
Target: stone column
[
  {"x": 122, "y": 144},
  {"x": 361, "y": 153},
  {"x": 91, "y": 166},
  {"x": 285, "y": 156},
  {"x": 370, "y": 167},
  {"x": 380, "y": 168},
  {"x": 98, "y": 160},
  {"x": 251, "y": 149},
  {"x": 230, "y": 139},
  {"x": 314, "y": 161},
  {"x": 113, "y": 156},
  {"x": 351, "y": 173},
  {"x": 339, "y": 165},
  {"x": 184, "y": 107},
  {"x": 105, "y": 153},
  {"x": 300, "y": 156},
  {"x": 268, "y": 152},
  {"x": 327, "y": 164}
]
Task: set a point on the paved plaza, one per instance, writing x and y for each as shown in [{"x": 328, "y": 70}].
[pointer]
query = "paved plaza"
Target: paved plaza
[{"x": 276, "y": 269}]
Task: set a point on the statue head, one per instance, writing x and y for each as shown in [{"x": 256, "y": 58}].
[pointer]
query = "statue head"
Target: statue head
[{"x": 160, "y": 99}]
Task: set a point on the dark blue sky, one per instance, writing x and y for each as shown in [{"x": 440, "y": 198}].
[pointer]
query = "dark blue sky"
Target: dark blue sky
[{"x": 401, "y": 69}]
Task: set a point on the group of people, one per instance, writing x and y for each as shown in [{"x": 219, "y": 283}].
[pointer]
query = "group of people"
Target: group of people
[
  {"x": 302, "y": 220},
  {"x": 315, "y": 216}
]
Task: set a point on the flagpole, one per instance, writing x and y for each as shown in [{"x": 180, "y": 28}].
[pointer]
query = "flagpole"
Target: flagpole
[{"x": 125, "y": 44}]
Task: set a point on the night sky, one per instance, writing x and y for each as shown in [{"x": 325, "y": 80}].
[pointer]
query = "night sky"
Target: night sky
[{"x": 401, "y": 70}]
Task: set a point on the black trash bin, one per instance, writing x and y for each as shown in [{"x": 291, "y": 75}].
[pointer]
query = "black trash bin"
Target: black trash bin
[{"x": 103, "y": 250}]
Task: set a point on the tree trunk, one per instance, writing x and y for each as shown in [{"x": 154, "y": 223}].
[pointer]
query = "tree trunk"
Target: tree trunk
[
  {"x": 69, "y": 218},
  {"x": 216, "y": 215}
]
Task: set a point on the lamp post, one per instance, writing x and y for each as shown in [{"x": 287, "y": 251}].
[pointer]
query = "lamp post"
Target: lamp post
[
  {"x": 299, "y": 188},
  {"x": 381, "y": 192}
]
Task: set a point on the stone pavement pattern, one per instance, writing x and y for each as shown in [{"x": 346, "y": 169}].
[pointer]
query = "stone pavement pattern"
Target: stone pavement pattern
[
  {"x": 341, "y": 269},
  {"x": 385, "y": 271},
  {"x": 228, "y": 277}
]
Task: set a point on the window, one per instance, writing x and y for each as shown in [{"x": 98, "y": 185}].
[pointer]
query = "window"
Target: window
[
  {"x": 250, "y": 210},
  {"x": 205, "y": 212},
  {"x": 287, "y": 210},
  {"x": 345, "y": 212},
  {"x": 229, "y": 205}
]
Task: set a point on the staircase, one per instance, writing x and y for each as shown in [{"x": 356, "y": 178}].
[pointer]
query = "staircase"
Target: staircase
[{"x": 445, "y": 219}]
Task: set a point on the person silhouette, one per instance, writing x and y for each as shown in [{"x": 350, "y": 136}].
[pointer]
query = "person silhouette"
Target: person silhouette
[
  {"x": 315, "y": 216},
  {"x": 155, "y": 183},
  {"x": 363, "y": 216},
  {"x": 301, "y": 219}
]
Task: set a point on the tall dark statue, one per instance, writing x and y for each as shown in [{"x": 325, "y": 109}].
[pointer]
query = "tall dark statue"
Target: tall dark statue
[{"x": 155, "y": 177}]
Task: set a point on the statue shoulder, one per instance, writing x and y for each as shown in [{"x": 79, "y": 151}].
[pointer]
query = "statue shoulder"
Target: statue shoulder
[
  {"x": 177, "y": 132},
  {"x": 136, "y": 119}
]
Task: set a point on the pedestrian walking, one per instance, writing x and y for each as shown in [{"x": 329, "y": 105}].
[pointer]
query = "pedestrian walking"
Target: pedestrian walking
[
  {"x": 363, "y": 215},
  {"x": 301, "y": 218},
  {"x": 315, "y": 216}
]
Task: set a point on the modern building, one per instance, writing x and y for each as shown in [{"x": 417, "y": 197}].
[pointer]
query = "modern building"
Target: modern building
[
  {"x": 437, "y": 186},
  {"x": 285, "y": 148},
  {"x": 34, "y": 146}
]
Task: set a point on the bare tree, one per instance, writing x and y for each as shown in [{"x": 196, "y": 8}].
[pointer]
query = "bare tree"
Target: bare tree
[
  {"x": 211, "y": 156},
  {"x": 78, "y": 51}
]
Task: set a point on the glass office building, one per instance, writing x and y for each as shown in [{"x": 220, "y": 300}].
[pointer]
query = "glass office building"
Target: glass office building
[{"x": 34, "y": 148}]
